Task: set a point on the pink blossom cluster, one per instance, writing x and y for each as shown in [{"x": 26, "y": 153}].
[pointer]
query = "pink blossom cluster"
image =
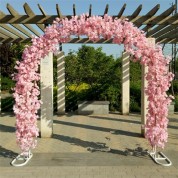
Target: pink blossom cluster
[
  {"x": 159, "y": 79},
  {"x": 95, "y": 27}
]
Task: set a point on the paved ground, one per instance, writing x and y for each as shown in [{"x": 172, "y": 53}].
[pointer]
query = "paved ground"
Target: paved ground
[{"x": 80, "y": 149}]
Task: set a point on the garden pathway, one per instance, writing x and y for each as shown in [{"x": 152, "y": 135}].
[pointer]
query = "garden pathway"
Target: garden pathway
[{"x": 80, "y": 146}]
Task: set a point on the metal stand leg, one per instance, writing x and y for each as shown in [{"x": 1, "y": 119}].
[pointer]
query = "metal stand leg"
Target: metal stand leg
[
  {"x": 21, "y": 160},
  {"x": 160, "y": 158}
]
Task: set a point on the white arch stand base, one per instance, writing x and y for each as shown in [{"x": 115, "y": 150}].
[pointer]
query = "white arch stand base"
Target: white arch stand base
[
  {"x": 160, "y": 158},
  {"x": 21, "y": 160}
]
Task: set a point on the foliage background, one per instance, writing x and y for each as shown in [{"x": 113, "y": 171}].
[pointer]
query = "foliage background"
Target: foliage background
[{"x": 90, "y": 75}]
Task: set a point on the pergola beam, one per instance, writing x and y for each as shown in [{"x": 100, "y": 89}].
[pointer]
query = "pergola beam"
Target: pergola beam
[
  {"x": 90, "y": 9},
  {"x": 154, "y": 10},
  {"x": 22, "y": 30},
  {"x": 164, "y": 14},
  {"x": 5, "y": 32},
  {"x": 11, "y": 30},
  {"x": 14, "y": 13},
  {"x": 102, "y": 40},
  {"x": 164, "y": 31},
  {"x": 151, "y": 13},
  {"x": 28, "y": 10},
  {"x": 136, "y": 13},
  {"x": 160, "y": 28},
  {"x": 8, "y": 40},
  {"x": 58, "y": 11},
  {"x": 165, "y": 23},
  {"x": 108, "y": 41},
  {"x": 40, "y": 19},
  {"x": 42, "y": 10},
  {"x": 12, "y": 10},
  {"x": 75, "y": 40},
  {"x": 168, "y": 40},
  {"x": 121, "y": 11},
  {"x": 171, "y": 34},
  {"x": 159, "y": 18},
  {"x": 3, "y": 36},
  {"x": 31, "y": 14},
  {"x": 106, "y": 9},
  {"x": 14, "y": 40},
  {"x": 74, "y": 10}
]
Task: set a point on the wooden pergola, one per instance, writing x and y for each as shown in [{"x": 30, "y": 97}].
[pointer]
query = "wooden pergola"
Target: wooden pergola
[
  {"x": 16, "y": 27},
  {"x": 19, "y": 28}
]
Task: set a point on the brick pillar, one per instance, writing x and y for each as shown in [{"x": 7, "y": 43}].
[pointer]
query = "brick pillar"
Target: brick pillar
[
  {"x": 144, "y": 98},
  {"x": 60, "y": 83},
  {"x": 46, "y": 70},
  {"x": 125, "y": 83}
]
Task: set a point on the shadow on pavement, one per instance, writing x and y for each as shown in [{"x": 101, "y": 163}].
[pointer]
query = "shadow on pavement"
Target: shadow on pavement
[
  {"x": 7, "y": 114},
  {"x": 172, "y": 127},
  {"x": 114, "y": 131},
  {"x": 79, "y": 142},
  {"x": 5, "y": 128},
  {"x": 102, "y": 147},
  {"x": 137, "y": 152},
  {"x": 114, "y": 119},
  {"x": 173, "y": 120},
  {"x": 7, "y": 153}
]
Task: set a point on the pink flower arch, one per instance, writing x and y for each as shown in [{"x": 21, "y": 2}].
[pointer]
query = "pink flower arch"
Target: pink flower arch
[{"x": 123, "y": 32}]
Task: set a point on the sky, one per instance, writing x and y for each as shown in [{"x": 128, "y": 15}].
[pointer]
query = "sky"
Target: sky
[{"x": 82, "y": 6}]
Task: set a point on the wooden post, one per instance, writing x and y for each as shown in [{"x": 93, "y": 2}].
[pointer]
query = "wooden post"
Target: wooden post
[
  {"x": 46, "y": 70},
  {"x": 144, "y": 98},
  {"x": 125, "y": 83},
  {"x": 60, "y": 83}
]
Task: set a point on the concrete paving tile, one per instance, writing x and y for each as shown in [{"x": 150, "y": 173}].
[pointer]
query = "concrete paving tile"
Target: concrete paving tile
[
  {"x": 87, "y": 176},
  {"x": 28, "y": 176},
  {"x": 157, "y": 176},
  {"x": 170, "y": 176},
  {"x": 14, "y": 176},
  {"x": 116, "y": 176},
  {"x": 140, "y": 176},
  {"x": 72, "y": 176},
  {"x": 100, "y": 176},
  {"x": 63, "y": 155}
]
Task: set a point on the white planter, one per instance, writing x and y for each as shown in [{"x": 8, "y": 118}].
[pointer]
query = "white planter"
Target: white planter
[{"x": 93, "y": 107}]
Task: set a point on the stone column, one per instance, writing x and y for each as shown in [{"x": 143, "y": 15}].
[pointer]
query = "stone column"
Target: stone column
[
  {"x": 60, "y": 83},
  {"x": 144, "y": 98},
  {"x": 125, "y": 83},
  {"x": 46, "y": 70}
]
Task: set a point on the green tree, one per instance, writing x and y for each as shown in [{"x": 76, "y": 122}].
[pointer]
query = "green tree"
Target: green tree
[
  {"x": 99, "y": 71},
  {"x": 102, "y": 76},
  {"x": 135, "y": 87},
  {"x": 9, "y": 54},
  {"x": 71, "y": 70}
]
